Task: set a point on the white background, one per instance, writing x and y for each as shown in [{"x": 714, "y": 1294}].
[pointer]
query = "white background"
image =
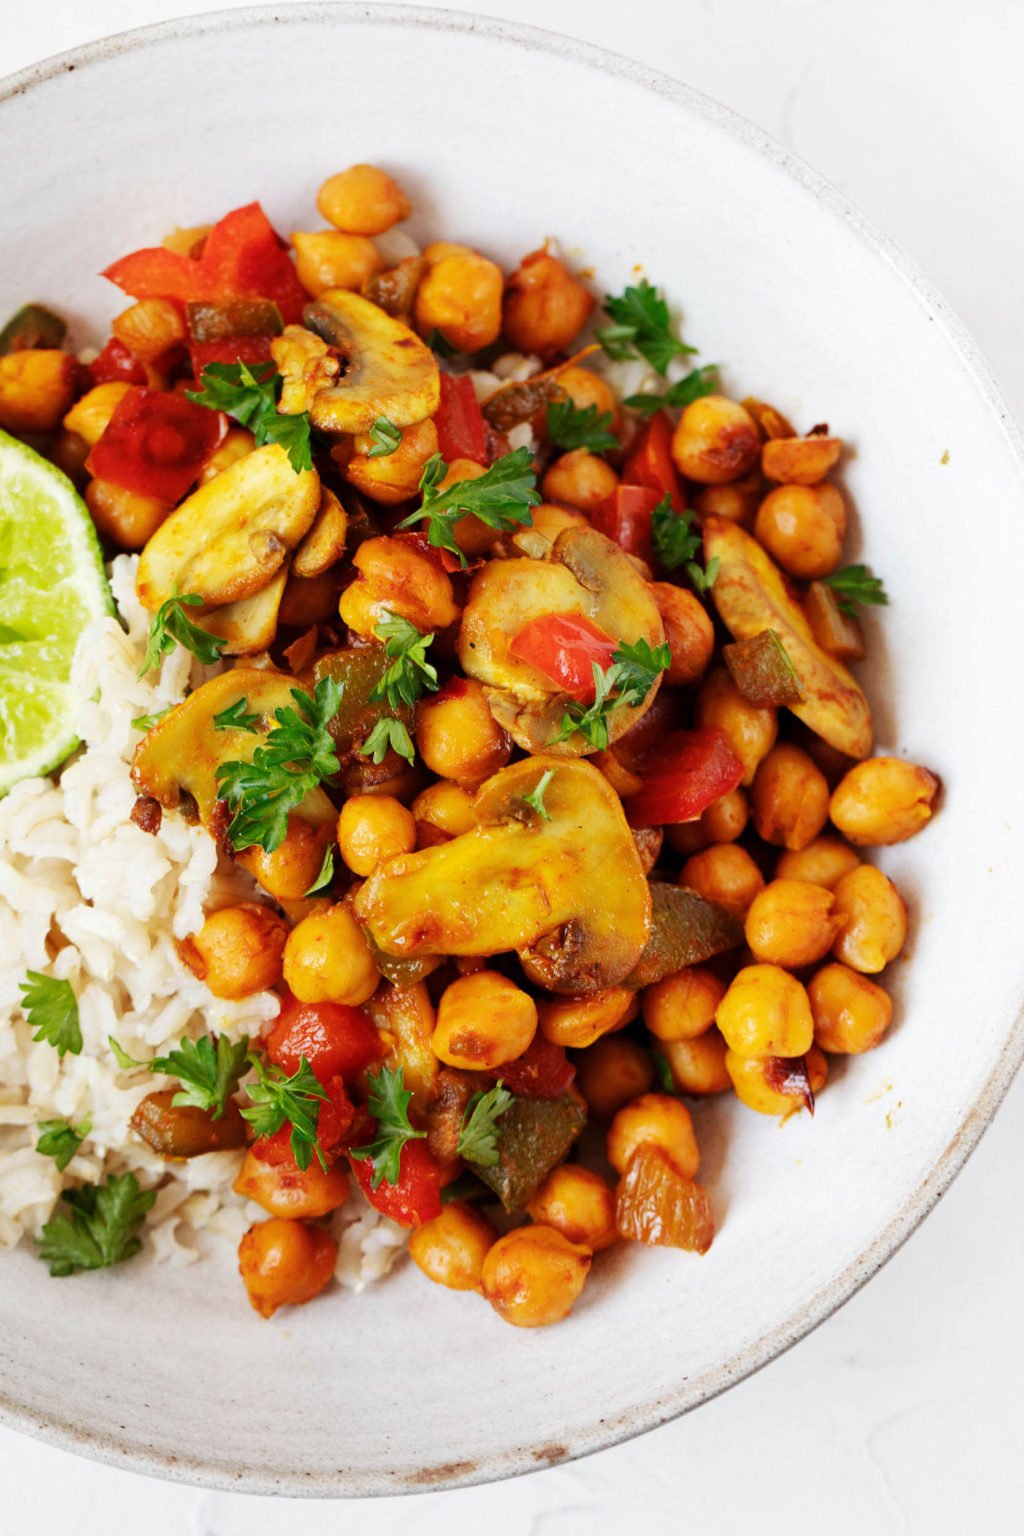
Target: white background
[{"x": 902, "y": 1413}]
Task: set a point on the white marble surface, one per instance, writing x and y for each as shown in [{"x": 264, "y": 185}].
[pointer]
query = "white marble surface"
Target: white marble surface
[{"x": 902, "y": 1413}]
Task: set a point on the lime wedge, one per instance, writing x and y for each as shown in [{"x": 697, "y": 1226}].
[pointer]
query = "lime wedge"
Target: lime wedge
[{"x": 52, "y": 583}]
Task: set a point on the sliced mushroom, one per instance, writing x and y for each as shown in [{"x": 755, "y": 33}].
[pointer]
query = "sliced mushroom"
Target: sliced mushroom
[
  {"x": 543, "y": 888},
  {"x": 230, "y": 538},
  {"x": 249, "y": 626},
  {"x": 390, "y": 371},
  {"x": 585, "y": 573},
  {"x": 325, "y": 541}
]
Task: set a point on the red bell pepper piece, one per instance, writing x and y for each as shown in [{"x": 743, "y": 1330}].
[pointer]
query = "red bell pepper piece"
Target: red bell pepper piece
[
  {"x": 689, "y": 771},
  {"x": 116, "y": 364},
  {"x": 156, "y": 443},
  {"x": 625, "y": 518},
  {"x": 416, "y": 1197},
  {"x": 565, "y": 646},
  {"x": 543, "y": 1071},
  {"x": 242, "y": 258},
  {"x": 336, "y": 1040},
  {"x": 252, "y": 350},
  {"x": 650, "y": 462},
  {"x": 461, "y": 429}
]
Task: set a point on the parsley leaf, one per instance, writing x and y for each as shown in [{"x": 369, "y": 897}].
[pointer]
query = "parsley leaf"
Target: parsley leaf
[
  {"x": 677, "y": 541},
  {"x": 638, "y": 668},
  {"x": 147, "y": 722},
  {"x": 172, "y": 626},
  {"x": 663, "y": 1072},
  {"x": 60, "y": 1139},
  {"x": 235, "y": 718},
  {"x": 700, "y": 382},
  {"x": 278, "y": 1099},
  {"x": 124, "y": 1061},
  {"x": 51, "y": 1009},
  {"x": 478, "y": 1139},
  {"x": 570, "y": 427},
  {"x": 388, "y": 733},
  {"x": 628, "y": 680},
  {"x": 386, "y": 438},
  {"x": 250, "y": 396},
  {"x": 641, "y": 325},
  {"x": 389, "y": 1105},
  {"x": 410, "y": 674},
  {"x": 502, "y": 497},
  {"x": 208, "y": 1069},
  {"x": 855, "y": 584},
  {"x": 298, "y": 754},
  {"x": 439, "y": 343},
  {"x": 326, "y": 875},
  {"x": 97, "y": 1226},
  {"x": 535, "y": 799}
]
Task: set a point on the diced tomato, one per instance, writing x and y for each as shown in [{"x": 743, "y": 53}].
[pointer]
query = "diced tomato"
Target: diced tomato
[
  {"x": 252, "y": 350},
  {"x": 242, "y": 258},
  {"x": 461, "y": 430},
  {"x": 336, "y": 1040},
  {"x": 416, "y": 1197},
  {"x": 275, "y": 1149},
  {"x": 565, "y": 646},
  {"x": 625, "y": 518},
  {"x": 116, "y": 364},
  {"x": 685, "y": 774},
  {"x": 650, "y": 462},
  {"x": 156, "y": 443},
  {"x": 335, "y": 1119},
  {"x": 543, "y": 1071}
]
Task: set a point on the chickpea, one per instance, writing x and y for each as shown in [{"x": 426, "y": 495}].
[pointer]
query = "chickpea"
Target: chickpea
[
  {"x": 724, "y": 873},
  {"x": 532, "y": 1276},
  {"x": 715, "y": 441},
  {"x": 698, "y": 1066},
  {"x": 90, "y": 416},
  {"x": 238, "y": 442},
  {"x": 292, "y": 868},
  {"x": 451, "y": 1248},
  {"x": 460, "y": 296},
  {"x": 584, "y": 388},
  {"x": 789, "y": 798},
  {"x": 736, "y": 502},
  {"x": 612, "y": 1073},
  {"x": 285, "y": 1263},
  {"x": 284, "y": 1189},
  {"x": 803, "y": 527},
  {"x": 682, "y": 1006},
  {"x": 824, "y": 862},
  {"x": 372, "y": 828},
  {"x": 150, "y": 329},
  {"x": 392, "y": 477},
  {"x": 577, "y": 1203},
  {"x": 770, "y": 1085},
  {"x": 765, "y": 1012},
  {"x": 121, "y": 516},
  {"x": 37, "y": 386},
  {"x": 577, "y": 1022},
  {"x": 800, "y": 460},
  {"x": 657, "y": 1118},
  {"x": 750, "y": 731},
  {"x": 69, "y": 453},
  {"x": 308, "y": 600},
  {"x": 327, "y": 959},
  {"x": 395, "y": 576},
  {"x": 483, "y": 1020},
  {"x": 851, "y": 1013},
  {"x": 363, "y": 200},
  {"x": 545, "y": 306},
  {"x": 238, "y": 950},
  {"x": 444, "y": 810},
  {"x": 326, "y": 258},
  {"x": 883, "y": 800},
  {"x": 792, "y": 923},
  {"x": 874, "y": 920},
  {"x": 689, "y": 632},
  {"x": 723, "y": 822},
  {"x": 458, "y": 737},
  {"x": 580, "y": 479}
]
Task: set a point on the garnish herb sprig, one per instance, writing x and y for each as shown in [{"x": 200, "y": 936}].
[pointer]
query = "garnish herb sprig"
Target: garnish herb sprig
[
  {"x": 641, "y": 326},
  {"x": 571, "y": 427},
  {"x": 535, "y": 799},
  {"x": 209, "y": 1070},
  {"x": 60, "y": 1139},
  {"x": 627, "y": 681},
  {"x": 478, "y": 1139},
  {"x": 249, "y": 395},
  {"x": 278, "y": 1099},
  {"x": 171, "y": 626},
  {"x": 51, "y": 1008},
  {"x": 503, "y": 497},
  {"x": 677, "y": 542},
  {"x": 96, "y": 1226},
  {"x": 699, "y": 382},
  {"x": 388, "y": 1103},
  {"x": 854, "y": 585}
]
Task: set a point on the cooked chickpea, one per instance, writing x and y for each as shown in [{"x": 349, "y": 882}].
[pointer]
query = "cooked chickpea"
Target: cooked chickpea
[
  {"x": 532, "y": 1276},
  {"x": 69, "y": 453},
  {"x": 545, "y": 306},
  {"x": 460, "y": 296},
  {"x": 883, "y": 800},
  {"x": 612, "y": 1073},
  {"x": 773, "y": 1086},
  {"x": 389, "y": 478},
  {"x": 444, "y": 810},
  {"x": 577, "y": 1203},
  {"x": 292, "y": 868},
  {"x": 657, "y": 1118},
  {"x": 689, "y": 632},
  {"x": 682, "y": 1006},
  {"x": 765, "y": 1012},
  {"x": 363, "y": 200},
  {"x": 285, "y": 1263},
  {"x": 372, "y": 828},
  {"x": 580, "y": 479},
  {"x": 238, "y": 950},
  {"x": 789, "y": 798},
  {"x": 792, "y": 923},
  {"x": 800, "y": 460},
  {"x": 122, "y": 516},
  {"x": 737, "y": 502},
  {"x": 37, "y": 386},
  {"x": 90, "y": 415},
  {"x": 824, "y": 862},
  {"x": 237, "y": 443},
  {"x": 851, "y": 1013},
  {"x": 715, "y": 441},
  {"x": 750, "y": 731},
  {"x": 458, "y": 737},
  {"x": 723, "y": 822},
  {"x": 698, "y": 1066},
  {"x": 483, "y": 1020},
  {"x": 724, "y": 873},
  {"x": 803, "y": 527},
  {"x": 284, "y": 1189},
  {"x": 451, "y": 1248},
  {"x": 874, "y": 919},
  {"x": 577, "y": 1022},
  {"x": 326, "y": 258},
  {"x": 396, "y": 576},
  {"x": 308, "y": 600},
  {"x": 584, "y": 388},
  {"x": 327, "y": 959}
]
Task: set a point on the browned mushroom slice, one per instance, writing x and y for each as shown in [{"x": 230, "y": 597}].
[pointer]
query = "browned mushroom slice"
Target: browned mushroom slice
[{"x": 390, "y": 371}]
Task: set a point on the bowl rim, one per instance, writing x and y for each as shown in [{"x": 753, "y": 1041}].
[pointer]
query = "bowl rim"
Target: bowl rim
[{"x": 974, "y": 1118}]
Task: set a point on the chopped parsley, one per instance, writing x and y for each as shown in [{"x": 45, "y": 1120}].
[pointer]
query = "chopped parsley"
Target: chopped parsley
[
  {"x": 641, "y": 325},
  {"x": 502, "y": 497},
  {"x": 326, "y": 875},
  {"x": 571, "y": 427},
  {"x": 389, "y": 1105},
  {"x": 60, "y": 1139},
  {"x": 385, "y": 437},
  {"x": 249, "y": 396},
  {"x": 171, "y": 626},
  {"x": 701, "y": 381},
  {"x": 535, "y": 799},
  {"x": 278, "y": 1099},
  {"x": 147, "y": 722},
  {"x": 51, "y": 1008},
  {"x": 209, "y": 1070},
  {"x": 633, "y": 672},
  {"x": 96, "y": 1226},
  {"x": 236, "y": 718},
  {"x": 854, "y": 585},
  {"x": 478, "y": 1139},
  {"x": 410, "y": 673},
  {"x": 677, "y": 542},
  {"x": 387, "y": 735}
]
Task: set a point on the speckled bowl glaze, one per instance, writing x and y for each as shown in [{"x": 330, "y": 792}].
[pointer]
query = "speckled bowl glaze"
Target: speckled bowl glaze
[{"x": 409, "y": 1386}]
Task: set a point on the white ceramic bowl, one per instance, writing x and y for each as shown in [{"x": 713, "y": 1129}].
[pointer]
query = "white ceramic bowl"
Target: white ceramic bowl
[{"x": 504, "y": 135}]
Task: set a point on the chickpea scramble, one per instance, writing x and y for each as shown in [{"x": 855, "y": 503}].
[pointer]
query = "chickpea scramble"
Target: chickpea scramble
[{"x": 527, "y": 709}]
